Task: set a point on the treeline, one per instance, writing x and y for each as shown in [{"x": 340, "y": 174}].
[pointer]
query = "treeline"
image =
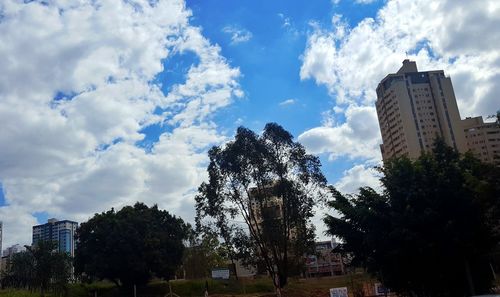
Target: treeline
[
  {"x": 432, "y": 229},
  {"x": 39, "y": 268}
]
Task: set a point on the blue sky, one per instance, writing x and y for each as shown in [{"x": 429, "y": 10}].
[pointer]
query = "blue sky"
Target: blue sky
[{"x": 104, "y": 103}]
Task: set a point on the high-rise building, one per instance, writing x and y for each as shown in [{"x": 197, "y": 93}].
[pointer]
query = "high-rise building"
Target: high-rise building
[
  {"x": 483, "y": 139},
  {"x": 413, "y": 108},
  {"x": 61, "y": 232}
]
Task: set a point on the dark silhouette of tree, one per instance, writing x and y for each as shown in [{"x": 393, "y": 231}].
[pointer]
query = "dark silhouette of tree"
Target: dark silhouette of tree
[
  {"x": 269, "y": 183},
  {"x": 40, "y": 267},
  {"x": 130, "y": 246},
  {"x": 430, "y": 232}
]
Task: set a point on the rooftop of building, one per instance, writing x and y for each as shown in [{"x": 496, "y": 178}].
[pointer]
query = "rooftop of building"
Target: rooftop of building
[
  {"x": 52, "y": 221},
  {"x": 408, "y": 68}
]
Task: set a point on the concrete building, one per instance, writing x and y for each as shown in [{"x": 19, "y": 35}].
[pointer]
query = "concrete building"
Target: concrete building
[
  {"x": 483, "y": 139},
  {"x": 7, "y": 256},
  {"x": 13, "y": 249},
  {"x": 4, "y": 264},
  {"x": 62, "y": 232},
  {"x": 325, "y": 262},
  {"x": 413, "y": 108},
  {"x": 264, "y": 206}
]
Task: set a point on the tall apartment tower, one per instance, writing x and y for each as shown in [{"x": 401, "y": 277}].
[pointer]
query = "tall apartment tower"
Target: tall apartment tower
[
  {"x": 413, "y": 108},
  {"x": 61, "y": 232}
]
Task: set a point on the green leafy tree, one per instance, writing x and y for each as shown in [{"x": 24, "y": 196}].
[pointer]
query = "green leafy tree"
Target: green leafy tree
[
  {"x": 271, "y": 184},
  {"x": 432, "y": 229},
  {"x": 40, "y": 267},
  {"x": 130, "y": 246},
  {"x": 203, "y": 253},
  {"x": 20, "y": 271}
]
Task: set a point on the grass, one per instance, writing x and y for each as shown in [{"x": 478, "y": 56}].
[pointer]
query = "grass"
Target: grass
[
  {"x": 18, "y": 293},
  {"x": 195, "y": 288}
]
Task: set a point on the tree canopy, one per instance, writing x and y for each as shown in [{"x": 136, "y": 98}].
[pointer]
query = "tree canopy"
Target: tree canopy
[
  {"x": 269, "y": 183},
  {"x": 431, "y": 230},
  {"x": 40, "y": 267},
  {"x": 130, "y": 246},
  {"x": 203, "y": 253}
]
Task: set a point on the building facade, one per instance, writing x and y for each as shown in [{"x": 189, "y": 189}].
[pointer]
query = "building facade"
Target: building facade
[
  {"x": 13, "y": 249},
  {"x": 483, "y": 139},
  {"x": 414, "y": 108},
  {"x": 325, "y": 262},
  {"x": 61, "y": 232},
  {"x": 7, "y": 256}
]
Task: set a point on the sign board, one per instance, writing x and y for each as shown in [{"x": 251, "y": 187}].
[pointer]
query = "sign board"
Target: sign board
[
  {"x": 339, "y": 292},
  {"x": 220, "y": 273}
]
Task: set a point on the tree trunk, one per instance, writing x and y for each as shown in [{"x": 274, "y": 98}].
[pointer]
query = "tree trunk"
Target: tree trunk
[
  {"x": 468, "y": 275},
  {"x": 235, "y": 270},
  {"x": 277, "y": 285}
]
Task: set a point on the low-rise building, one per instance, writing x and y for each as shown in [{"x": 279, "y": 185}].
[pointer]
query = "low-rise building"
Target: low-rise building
[
  {"x": 325, "y": 262},
  {"x": 13, "y": 249},
  {"x": 483, "y": 139}
]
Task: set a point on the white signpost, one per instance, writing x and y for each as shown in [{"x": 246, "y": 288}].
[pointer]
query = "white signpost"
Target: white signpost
[
  {"x": 339, "y": 292},
  {"x": 220, "y": 273}
]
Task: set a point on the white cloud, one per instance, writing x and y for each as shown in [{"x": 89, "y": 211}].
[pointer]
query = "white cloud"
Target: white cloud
[
  {"x": 287, "y": 102},
  {"x": 358, "y": 176},
  {"x": 288, "y": 26},
  {"x": 460, "y": 37},
  {"x": 238, "y": 35},
  {"x": 357, "y": 137},
  {"x": 365, "y": 1},
  {"x": 286, "y": 20},
  {"x": 457, "y": 36},
  {"x": 76, "y": 156}
]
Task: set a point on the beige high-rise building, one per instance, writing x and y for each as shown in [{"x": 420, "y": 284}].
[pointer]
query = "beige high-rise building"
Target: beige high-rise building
[
  {"x": 483, "y": 139},
  {"x": 413, "y": 108}
]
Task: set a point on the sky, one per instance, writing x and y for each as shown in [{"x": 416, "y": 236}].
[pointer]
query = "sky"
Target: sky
[{"x": 105, "y": 103}]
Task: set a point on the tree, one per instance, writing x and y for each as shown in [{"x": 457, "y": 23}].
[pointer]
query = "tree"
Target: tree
[
  {"x": 203, "y": 253},
  {"x": 40, "y": 267},
  {"x": 430, "y": 232},
  {"x": 130, "y": 246},
  {"x": 271, "y": 184}
]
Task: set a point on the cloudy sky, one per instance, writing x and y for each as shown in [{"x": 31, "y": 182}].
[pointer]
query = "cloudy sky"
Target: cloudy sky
[{"x": 104, "y": 103}]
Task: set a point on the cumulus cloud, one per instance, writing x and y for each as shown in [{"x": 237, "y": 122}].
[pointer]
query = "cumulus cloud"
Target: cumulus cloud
[
  {"x": 357, "y": 137},
  {"x": 358, "y": 176},
  {"x": 457, "y": 36},
  {"x": 238, "y": 35},
  {"x": 78, "y": 88}
]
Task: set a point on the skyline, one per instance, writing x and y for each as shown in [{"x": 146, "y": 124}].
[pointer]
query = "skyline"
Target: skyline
[{"x": 99, "y": 109}]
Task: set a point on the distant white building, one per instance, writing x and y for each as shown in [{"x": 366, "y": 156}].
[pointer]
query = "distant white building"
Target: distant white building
[
  {"x": 61, "y": 232},
  {"x": 13, "y": 249}
]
